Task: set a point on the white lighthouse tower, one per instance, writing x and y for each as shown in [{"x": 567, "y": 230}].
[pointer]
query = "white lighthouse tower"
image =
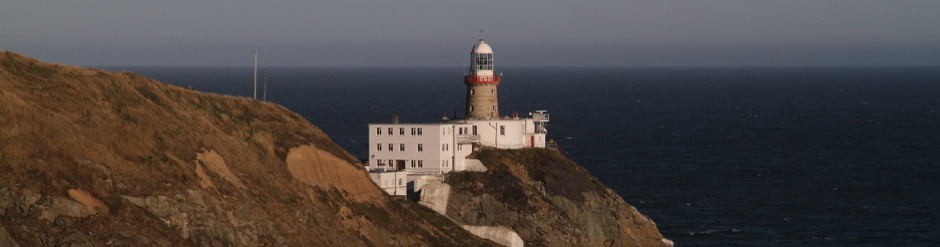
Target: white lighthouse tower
[{"x": 482, "y": 84}]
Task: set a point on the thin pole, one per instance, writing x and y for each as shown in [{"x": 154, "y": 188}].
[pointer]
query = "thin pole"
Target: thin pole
[
  {"x": 255, "y": 87},
  {"x": 265, "y": 94}
]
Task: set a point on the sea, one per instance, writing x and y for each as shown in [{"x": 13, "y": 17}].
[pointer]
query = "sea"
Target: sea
[{"x": 716, "y": 156}]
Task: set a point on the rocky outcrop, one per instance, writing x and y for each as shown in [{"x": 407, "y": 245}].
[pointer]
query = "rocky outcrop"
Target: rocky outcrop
[
  {"x": 93, "y": 158},
  {"x": 499, "y": 234},
  {"x": 548, "y": 200}
]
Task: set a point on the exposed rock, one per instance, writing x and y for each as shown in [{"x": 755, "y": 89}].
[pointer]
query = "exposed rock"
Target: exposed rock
[
  {"x": 435, "y": 196},
  {"x": 548, "y": 200},
  {"x": 58, "y": 206},
  {"x": 499, "y": 234}
]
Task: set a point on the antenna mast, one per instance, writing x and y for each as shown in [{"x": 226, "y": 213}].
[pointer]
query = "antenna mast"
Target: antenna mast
[
  {"x": 265, "y": 94},
  {"x": 255, "y": 87}
]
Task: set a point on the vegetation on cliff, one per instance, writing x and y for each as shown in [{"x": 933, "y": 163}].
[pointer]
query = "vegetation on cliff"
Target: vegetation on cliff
[
  {"x": 548, "y": 199},
  {"x": 93, "y": 157}
]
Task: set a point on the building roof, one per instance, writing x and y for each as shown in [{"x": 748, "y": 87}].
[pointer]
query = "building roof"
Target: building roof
[{"x": 482, "y": 48}]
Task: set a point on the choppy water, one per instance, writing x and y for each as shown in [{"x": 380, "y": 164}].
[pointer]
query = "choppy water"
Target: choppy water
[{"x": 716, "y": 156}]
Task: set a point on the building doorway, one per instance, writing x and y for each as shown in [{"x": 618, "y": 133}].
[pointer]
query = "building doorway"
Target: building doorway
[{"x": 399, "y": 164}]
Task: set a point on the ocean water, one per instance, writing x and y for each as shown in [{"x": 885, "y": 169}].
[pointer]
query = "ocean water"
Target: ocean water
[{"x": 715, "y": 156}]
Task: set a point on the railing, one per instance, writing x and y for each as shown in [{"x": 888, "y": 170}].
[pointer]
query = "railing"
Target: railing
[
  {"x": 553, "y": 145},
  {"x": 482, "y": 79},
  {"x": 503, "y": 146},
  {"x": 468, "y": 138},
  {"x": 426, "y": 172}
]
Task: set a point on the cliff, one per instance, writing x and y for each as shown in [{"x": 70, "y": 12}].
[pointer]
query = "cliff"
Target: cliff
[
  {"x": 547, "y": 199},
  {"x": 93, "y": 158}
]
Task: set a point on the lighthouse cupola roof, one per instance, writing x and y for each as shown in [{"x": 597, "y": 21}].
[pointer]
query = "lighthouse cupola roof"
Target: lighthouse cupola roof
[{"x": 482, "y": 48}]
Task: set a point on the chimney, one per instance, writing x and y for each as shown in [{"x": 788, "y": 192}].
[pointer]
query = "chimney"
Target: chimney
[{"x": 395, "y": 119}]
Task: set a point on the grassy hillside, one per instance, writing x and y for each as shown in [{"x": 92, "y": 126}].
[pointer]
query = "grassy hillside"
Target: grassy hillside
[{"x": 89, "y": 156}]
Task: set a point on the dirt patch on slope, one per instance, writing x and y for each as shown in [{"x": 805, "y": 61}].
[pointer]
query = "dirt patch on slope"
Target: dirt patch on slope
[
  {"x": 94, "y": 205},
  {"x": 216, "y": 164},
  {"x": 316, "y": 167}
]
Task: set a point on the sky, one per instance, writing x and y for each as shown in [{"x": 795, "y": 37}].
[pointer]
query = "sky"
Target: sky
[{"x": 441, "y": 33}]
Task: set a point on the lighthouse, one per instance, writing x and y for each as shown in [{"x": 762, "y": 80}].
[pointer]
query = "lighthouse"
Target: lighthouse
[
  {"x": 482, "y": 83},
  {"x": 404, "y": 156}
]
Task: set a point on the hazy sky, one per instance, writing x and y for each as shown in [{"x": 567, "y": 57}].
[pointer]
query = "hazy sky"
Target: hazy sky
[{"x": 441, "y": 32}]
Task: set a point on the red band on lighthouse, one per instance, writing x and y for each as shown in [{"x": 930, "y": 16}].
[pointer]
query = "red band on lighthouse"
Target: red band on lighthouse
[{"x": 481, "y": 79}]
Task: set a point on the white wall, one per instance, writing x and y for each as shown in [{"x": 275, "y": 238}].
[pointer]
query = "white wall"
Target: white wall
[
  {"x": 429, "y": 138},
  {"x": 517, "y": 133},
  {"x": 393, "y": 183},
  {"x": 441, "y": 150}
]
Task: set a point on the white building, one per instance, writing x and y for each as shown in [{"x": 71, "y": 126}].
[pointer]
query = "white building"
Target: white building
[
  {"x": 419, "y": 148},
  {"x": 424, "y": 151}
]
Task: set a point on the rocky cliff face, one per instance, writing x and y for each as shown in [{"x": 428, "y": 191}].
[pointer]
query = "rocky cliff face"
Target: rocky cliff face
[
  {"x": 548, "y": 200},
  {"x": 92, "y": 158}
]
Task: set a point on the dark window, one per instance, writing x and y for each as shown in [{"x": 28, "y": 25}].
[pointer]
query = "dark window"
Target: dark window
[
  {"x": 378, "y": 147},
  {"x": 390, "y": 131},
  {"x": 378, "y": 131},
  {"x": 419, "y": 131},
  {"x": 420, "y": 147},
  {"x": 401, "y": 131},
  {"x": 402, "y": 146},
  {"x": 474, "y": 130},
  {"x": 391, "y": 147},
  {"x": 502, "y": 130}
]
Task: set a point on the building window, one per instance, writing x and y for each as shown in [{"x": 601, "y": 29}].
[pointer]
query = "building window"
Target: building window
[
  {"x": 378, "y": 131},
  {"x": 402, "y": 147},
  {"x": 459, "y": 147},
  {"x": 419, "y": 131},
  {"x": 399, "y": 182},
  {"x": 502, "y": 130},
  {"x": 420, "y": 163},
  {"x": 380, "y": 163},
  {"x": 474, "y": 130},
  {"x": 471, "y": 108},
  {"x": 378, "y": 147},
  {"x": 401, "y": 131},
  {"x": 420, "y": 147},
  {"x": 443, "y": 147},
  {"x": 391, "y": 147},
  {"x": 390, "y": 131},
  {"x": 412, "y": 163},
  {"x": 414, "y": 131}
]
